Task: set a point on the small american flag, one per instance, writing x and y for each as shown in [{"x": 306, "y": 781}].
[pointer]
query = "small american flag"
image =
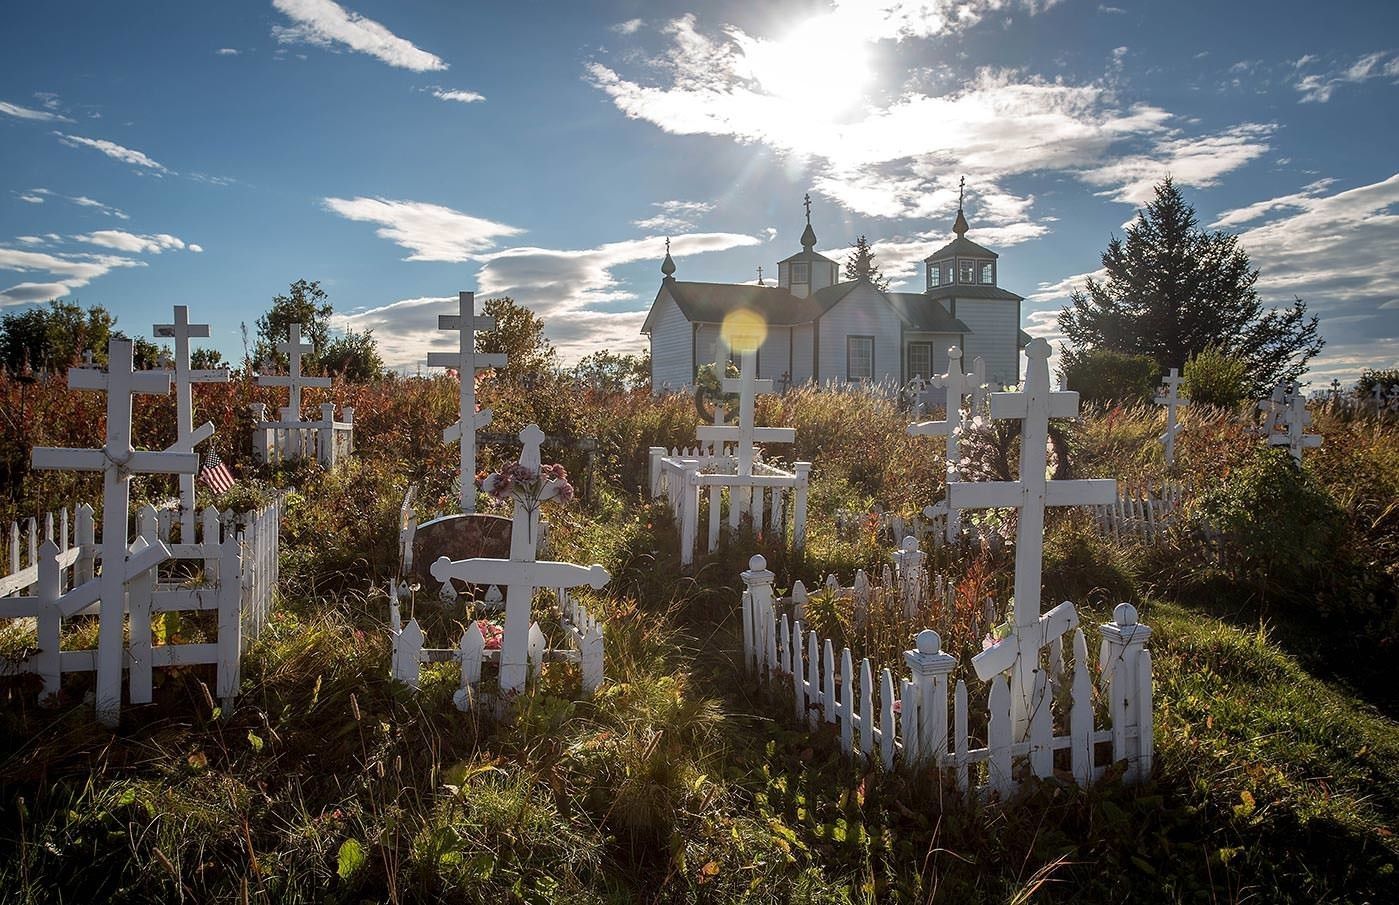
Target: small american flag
[{"x": 216, "y": 474}]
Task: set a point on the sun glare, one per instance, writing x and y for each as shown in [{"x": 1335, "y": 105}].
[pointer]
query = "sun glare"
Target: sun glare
[
  {"x": 743, "y": 330},
  {"x": 817, "y": 63}
]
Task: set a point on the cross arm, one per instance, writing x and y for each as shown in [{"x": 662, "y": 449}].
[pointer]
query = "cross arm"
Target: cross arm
[
  {"x": 1091, "y": 492},
  {"x": 735, "y": 385},
  {"x": 453, "y": 322},
  {"x": 57, "y": 458},
  {"x": 709, "y": 433},
  {"x": 1062, "y": 404},
  {"x": 478, "y": 359},
  {"x": 931, "y": 428},
  {"x": 541, "y": 574},
  {"x": 144, "y": 556},
  {"x": 196, "y": 437},
  {"x": 480, "y": 419},
  {"x": 218, "y": 375},
  {"x": 164, "y": 462},
  {"x": 167, "y": 331},
  {"x": 1025, "y": 640},
  {"x": 985, "y": 494}
]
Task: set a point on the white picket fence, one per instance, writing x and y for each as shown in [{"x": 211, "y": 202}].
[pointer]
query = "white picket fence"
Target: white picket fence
[
  {"x": 328, "y": 441},
  {"x": 236, "y": 572},
  {"x": 906, "y": 720},
  {"x": 1139, "y": 513},
  {"x": 583, "y": 636},
  {"x": 680, "y": 478}
]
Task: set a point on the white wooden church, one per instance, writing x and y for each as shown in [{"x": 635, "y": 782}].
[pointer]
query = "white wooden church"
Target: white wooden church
[{"x": 825, "y": 330}]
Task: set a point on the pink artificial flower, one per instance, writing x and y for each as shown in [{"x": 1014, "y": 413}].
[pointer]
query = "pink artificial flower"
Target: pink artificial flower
[
  {"x": 493, "y": 633},
  {"x": 565, "y": 492}
]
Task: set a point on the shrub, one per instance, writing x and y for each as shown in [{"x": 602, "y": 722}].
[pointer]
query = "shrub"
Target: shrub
[
  {"x": 1285, "y": 533},
  {"x": 1214, "y": 377},
  {"x": 1102, "y": 375},
  {"x": 1387, "y": 379}
]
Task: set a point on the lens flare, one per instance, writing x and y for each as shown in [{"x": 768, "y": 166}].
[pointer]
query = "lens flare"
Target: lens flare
[{"x": 744, "y": 330}]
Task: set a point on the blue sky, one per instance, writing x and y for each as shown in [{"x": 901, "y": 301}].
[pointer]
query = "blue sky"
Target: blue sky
[{"x": 209, "y": 154}]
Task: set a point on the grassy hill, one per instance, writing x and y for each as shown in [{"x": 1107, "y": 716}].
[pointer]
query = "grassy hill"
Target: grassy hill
[{"x": 1277, "y": 777}]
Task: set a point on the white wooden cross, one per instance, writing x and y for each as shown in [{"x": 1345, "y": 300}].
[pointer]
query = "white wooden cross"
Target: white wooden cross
[
  {"x": 959, "y": 385},
  {"x": 187, "y": 435},
  {"x": 1034, "y": 406},
  {"x": 1170, "y": 400},
  {"x": 745, "y": 433},
  {"x": 1295, "y": 420},
  {"x": 294, "y": 349},
  {"x": 467, "y": 361},
  {"x": 117, "y": 461},
  {"x": 521, "y": 574},
  {"x": 1274, "y": 410}
]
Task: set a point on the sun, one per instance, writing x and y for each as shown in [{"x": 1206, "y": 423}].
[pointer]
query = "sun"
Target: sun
[{"x": 818, "y": 63}]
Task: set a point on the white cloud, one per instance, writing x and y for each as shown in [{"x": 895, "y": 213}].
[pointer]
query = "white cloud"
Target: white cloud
[
  {"x": 39, "y": 195},
  {"x": 565, "y": 287},
  {"x": 228, "y": 52},
  {"x": 629, "y": 27},
  {"x": 675, "y": 215},
  {"x": 1317, "y": 87},
  {"x": 1195, "y": 161},
  {"x": 328, "y": 24},
  {"x": 19, "y": 112},
  {"x": 1058, "y": 290},
  {"x": 197, "y": 249},
  {"x": 66, "y": 272},
  {"x": 112, "y": 150},
  {"x": 430, "y": 231},
  {"x": 131, "y": 242},
  {"x": 454, "y": 94},
  {"x": 30, "y": 240},
  {"x": 898, "y": 155}
]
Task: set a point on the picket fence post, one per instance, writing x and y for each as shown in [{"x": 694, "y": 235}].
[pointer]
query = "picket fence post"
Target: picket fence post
[
  {"x": 49, "y": 660},
  {"x": 230, "y": 599},
  {"x": 930, "y": 668},
  {"x": 1127, "y": 666}
]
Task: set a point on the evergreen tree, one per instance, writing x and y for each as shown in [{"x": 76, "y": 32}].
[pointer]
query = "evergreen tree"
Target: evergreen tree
[
  {"x": 53, "y": 337},
  {"x": 860, "y": 265},
  {"x": 305, "y": 303},
  {"x": 1173, "y": 290}
]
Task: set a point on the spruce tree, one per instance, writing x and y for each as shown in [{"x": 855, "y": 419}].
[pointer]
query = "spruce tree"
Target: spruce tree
[
  {"x": 1172, "y": 290},
  {"x": 860, "y": 265}
]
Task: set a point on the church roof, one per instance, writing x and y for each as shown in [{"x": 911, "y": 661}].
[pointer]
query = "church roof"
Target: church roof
[
  {"x": 961, "y": 247},
  {"x": 925, "y": 314},
  {"x": 806, "y": 256},
  {"x": 971, "y": 291},
  {"x": 707, "y": 303}
]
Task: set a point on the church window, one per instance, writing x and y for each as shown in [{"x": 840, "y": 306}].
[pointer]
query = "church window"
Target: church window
[
  {"x": 859, "y": 357},
  {"x": 934, "y": 275},
  {"x": 920, "y": 360},
  {"x": 801, "y": 272},
  {"x": 966, "y": 271},
  {"x": 988, "y": 273}
]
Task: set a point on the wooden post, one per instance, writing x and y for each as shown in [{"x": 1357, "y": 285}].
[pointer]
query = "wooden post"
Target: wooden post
[
  {"x": 1170, "y": 399},
  {"x": 230, "y": 610},
  {"x": 467, "y": 361},
  {"x": 929, "y": 668},
  {"x": 1129, "y": 697}
]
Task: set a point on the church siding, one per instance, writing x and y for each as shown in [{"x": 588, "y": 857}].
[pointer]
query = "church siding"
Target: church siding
[
  {"x": 994, "y": 324},
  {"x": 863, "y": 312},
  {"x": 775, "y": 354},
  {"x": 802, "y": 352},
  {"x": 672, "y": 337}
]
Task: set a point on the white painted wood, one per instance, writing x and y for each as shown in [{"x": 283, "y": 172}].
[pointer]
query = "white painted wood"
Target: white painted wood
[
  {"x": 1295, "y": 419},
  {"x": 1033, "y": 406},
  {"x": 929, "y": 668},
  {"x": 1170, "y": 398},
  {"x": 815, "y": 700},
  {"x": 522, "y": 574},
  {"x": 466, "y": 361},
  {"x": 998, "y": 739},
  {"x": 1041, "y": 729},
  {"x": 117, "y": 461},
  {"x": 886, "y": 719},
  {"x": 798, "y": 683},
  {"x": 828, "y": 683},
  {"x": 845, "y": 709},
  {"x": 186, "y": 435},
  {"x": 867, "y": 728},
  {"x": 294, "y": 379},
  {"x": 1081, "y": 714}
]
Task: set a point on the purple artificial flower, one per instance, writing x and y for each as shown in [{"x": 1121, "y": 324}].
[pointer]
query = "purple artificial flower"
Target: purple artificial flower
[{"x": 565, "y": 492}]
